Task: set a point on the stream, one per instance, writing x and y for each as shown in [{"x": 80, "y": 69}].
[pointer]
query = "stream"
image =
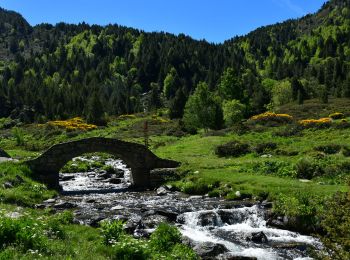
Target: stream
[{"x": 215, "y": 228}]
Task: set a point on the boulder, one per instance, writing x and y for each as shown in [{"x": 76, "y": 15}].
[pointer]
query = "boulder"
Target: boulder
[
  {"x": 208, "y": 250},
  {"x": 161, "y": 191},
  {"x": 259, "y": 237},
  {"x": 115, "y": 181},
  {"x": 65, "y": 205}
]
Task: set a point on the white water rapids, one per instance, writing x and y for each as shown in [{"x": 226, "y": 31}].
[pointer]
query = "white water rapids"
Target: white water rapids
[{"x": 200, "y": 219}]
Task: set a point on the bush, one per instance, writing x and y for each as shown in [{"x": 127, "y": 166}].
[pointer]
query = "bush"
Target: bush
[
  {"x": 316, "y": 123},
  {"x": 131, "y": 249},
  {"x": 337, "y": 115},
  {"x": 265, "y": 147},
  {"x": 165, "y": 238},
  {"x": 234, "y": 148},
  {"x": 294, "y": 130},
  {"x": 112, "y": 231},
  {"x": 336, "y": 225},
  {"x": 307, "y": 169},
  {"x": 272, "y": 117},
  {"x": 22, "y": 232},
  {"x": 182, "y": 252},
  {"x": 346, "y": 151},
  {"x": 197, "y": 187},
  {"x": 328, "y": 149}
]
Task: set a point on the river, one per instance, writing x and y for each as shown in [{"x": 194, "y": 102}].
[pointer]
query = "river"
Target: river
[{"x": 216, "y": 228}]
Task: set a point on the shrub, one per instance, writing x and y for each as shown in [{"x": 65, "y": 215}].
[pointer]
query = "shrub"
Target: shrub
[
  {"x": 328, "y": 149},
  {"x": 337, "y": 115},
  {"x": 307, "y": 169},
  {"x": 294, "y": 130},
  {"x": 131, "y": 249},
  {"x": 182, "y": 252},
  {"x": 336, "y": 224},
  {"x": 22, "y": 232},
  {"x": 346, "y": 151},
  {"x": 234, "y": 148},
  {"x": 270, "y": 116},
  {"x": 264, "y": 147},
  {"x": 165, "y": 237},
  {"x": 19, "y": 136},
  {"x": 197, "y": 187},
  {"x": 112, "y": 231},
  {"x": 76, "y": 123},
  {"x": 316, "y": 123}
]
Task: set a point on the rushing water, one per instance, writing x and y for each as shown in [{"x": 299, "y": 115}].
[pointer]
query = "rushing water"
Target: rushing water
[{"x": 200, "y": 219}]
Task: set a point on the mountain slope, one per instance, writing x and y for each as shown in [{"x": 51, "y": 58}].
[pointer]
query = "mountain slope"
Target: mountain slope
[{"x": 52, "y": 71}]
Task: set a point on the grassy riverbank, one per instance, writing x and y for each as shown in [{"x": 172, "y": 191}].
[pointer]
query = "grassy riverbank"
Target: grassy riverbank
[{"x": 298, "y": 169}]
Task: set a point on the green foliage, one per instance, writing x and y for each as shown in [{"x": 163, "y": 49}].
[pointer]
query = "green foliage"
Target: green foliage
[
  {"x": 329, "y": 149},
  {"x": 165, "y": 237},
  {"x": 131, "y": 248},
  {"x": 18, "y": 134},
  {"x": 282, "y": 93},
  {"x": 229, "y": 87},
  {"x": 234, "y": 148},
  {"x": 22, "y": 232},
  {"x": 336, "y": 225},
  {"x": 24, "y": 190},
  {"x": 112, "y": 231},
  {"x": 307, "y": 168},
  {"x": 203, "y": 109},
  {"x": 233, "y": 112}
]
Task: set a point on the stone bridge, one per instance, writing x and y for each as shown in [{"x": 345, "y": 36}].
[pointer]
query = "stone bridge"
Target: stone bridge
[{"x": 140, "y": 159}]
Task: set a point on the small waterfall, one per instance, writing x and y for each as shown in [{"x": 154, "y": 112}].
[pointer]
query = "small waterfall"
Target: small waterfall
[{"x": 234, "y": 228}]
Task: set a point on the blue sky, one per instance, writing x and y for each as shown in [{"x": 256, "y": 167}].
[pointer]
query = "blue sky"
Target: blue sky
[{"x": 213, "y": 20}]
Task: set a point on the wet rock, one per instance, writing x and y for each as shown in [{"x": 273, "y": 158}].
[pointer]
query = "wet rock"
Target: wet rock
[
  {"x": 65, "y": 205},
  {"x": 208, "y": 250},
  {"x": 115, "y": 181},
  {"x": 104, "y": 175},
  {"x": 49, "y": 201},
  {"x": 40, "y": 206},
  {"x": 161, "y": 191},
  {"x": 95, "y": 221},
  {"x": 118, "y": 207},
  {"x": 141, "y": 233},
  {"x": 266, "y": 204},
  {"x": 233, "y": 257},
  {"x": 91, "y": 200},
  {"x": 153, "y": 221},
  {"x": 208, "y": 219},
  {"x": 67, "y": 177},
  {"x": 170, "y": 215},
  {"x": 8, "y": 185},
  {"x": 298, "y": 246},
  {"x": 259, "y": 237},
  {"x": 132, "y": 224}
]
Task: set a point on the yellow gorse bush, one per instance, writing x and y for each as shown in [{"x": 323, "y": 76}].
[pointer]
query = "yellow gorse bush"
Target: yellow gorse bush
[
  {"x": 322, "y": 122},
  {"x": 76, "y": 123},
  {"x": 270, "y": 116},
  {"x": 337, "y": 115}
]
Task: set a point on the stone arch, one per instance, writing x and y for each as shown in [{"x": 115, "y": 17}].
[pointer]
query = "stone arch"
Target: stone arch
[{"x": 140, "y": 159}]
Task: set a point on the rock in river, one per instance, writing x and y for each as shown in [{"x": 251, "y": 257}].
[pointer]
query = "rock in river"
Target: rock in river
[{"x": 208, "y": 250}]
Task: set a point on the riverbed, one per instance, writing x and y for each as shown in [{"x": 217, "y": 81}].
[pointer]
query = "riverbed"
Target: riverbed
[{"x": 216, "y": 228}]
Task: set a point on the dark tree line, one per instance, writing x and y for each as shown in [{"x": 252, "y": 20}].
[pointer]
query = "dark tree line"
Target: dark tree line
[{"x": 65, "y": 70}]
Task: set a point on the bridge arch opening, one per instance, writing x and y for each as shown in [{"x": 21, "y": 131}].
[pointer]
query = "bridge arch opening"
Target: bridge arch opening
[{"x": 94, "y": 172}]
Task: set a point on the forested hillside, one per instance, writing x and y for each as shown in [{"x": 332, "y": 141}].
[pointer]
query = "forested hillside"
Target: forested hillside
[{"x": 60, "y": 71}]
